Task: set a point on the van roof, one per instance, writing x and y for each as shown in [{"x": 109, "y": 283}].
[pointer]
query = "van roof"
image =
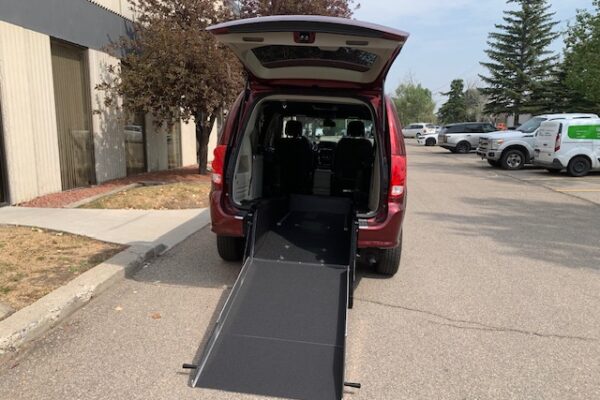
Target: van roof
[
  {"x": 567, "y": 116},
  {"x": 467, "y": 123}
]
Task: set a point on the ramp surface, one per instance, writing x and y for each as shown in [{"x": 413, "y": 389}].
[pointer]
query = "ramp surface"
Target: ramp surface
[
  {"x": 282, "y": 330},
  {"x": 283, "y": 335}
]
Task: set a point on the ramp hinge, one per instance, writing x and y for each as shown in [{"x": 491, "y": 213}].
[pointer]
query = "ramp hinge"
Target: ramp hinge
[{"x": 352, "y": 384}]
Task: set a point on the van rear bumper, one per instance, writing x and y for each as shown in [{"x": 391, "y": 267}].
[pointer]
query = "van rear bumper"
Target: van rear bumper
[
  {"x": 383, "y": 235},
  {"x": 554, "y": 164},
  {"x": 223, "y": 222}
]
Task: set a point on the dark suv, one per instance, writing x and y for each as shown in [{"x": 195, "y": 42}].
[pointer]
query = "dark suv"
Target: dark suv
[{"x": 313, "y": 121}]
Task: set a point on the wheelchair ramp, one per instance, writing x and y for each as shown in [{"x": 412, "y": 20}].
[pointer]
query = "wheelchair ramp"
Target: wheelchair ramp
[{"x": 282, "y": 331}]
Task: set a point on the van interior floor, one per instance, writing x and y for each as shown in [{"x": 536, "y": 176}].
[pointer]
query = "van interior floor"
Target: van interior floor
[{"x": 282, "y": 330}]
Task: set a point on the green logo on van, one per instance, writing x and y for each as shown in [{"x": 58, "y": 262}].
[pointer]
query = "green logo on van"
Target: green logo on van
[{"x": 589, "y": 132}]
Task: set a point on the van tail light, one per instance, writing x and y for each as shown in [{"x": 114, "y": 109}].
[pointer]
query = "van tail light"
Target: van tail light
[
  {"x": 558, "y": 139},
  {"x": 217, "y": 166},
  {"x": 398, "y": 178}
]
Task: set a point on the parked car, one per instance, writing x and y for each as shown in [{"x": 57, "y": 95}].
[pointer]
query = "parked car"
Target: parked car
[
  {"x": 572, "y": 144},
  {"x": 312, "y": 69},
  {"x": 418, "y": 129},
  {"x": 513, "y": 149},
  {"x": 463, "y": 137},
  {"x": 429, "y": 139}
]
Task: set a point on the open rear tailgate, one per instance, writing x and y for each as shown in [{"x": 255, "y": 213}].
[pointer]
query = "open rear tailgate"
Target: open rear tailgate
[{"x": 302, "y": 48}]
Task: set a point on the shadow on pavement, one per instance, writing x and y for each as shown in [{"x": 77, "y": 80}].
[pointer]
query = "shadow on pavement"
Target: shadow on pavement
[
  {"x": 564, "y": 234},
  {"x": 193, "y": 262}
]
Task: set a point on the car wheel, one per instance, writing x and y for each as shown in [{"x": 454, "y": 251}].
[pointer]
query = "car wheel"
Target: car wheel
[
  {"x": 230, "y": 248},
  {"x": 579, "y": 166},
  {"x": 430, "y": 142},
  {"x": 389, "y": 260},
  {"x": 463, "y": 147},
  {"x": 494, "y": 163},
  {"x": 512, "y": 159},
  {"x": 553, "y": 171}
]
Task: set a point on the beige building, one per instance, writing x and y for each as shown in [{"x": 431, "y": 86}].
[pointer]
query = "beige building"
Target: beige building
[{"x": 55, "y": 132}]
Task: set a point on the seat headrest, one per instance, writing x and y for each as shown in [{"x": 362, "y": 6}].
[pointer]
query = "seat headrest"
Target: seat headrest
[
  {"x": 293, "y": 128},
  {"x": 356, "y": 129}
]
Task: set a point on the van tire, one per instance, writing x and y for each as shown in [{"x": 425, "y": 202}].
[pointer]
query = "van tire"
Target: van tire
[
  {"x": 463, "y": 147},
  {"x": 512, "y": 159},
  {"x": 230, "y": 248},
  {"x": 430, "y": 142},
  {"x": 494, "y": 163},
  {"x": 554, "y": 171},
  {"x": 389, "y": 260},
  {"x": 579, "y": 166}
]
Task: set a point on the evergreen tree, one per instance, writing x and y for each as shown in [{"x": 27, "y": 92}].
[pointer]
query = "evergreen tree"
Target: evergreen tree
[
  {"x": 520, "y": 63},
  {"x": 455, "y": 109},
  {"x": 582, "y": 59}
]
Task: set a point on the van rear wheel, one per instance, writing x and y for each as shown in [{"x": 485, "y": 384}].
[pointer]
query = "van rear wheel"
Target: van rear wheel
[
  {"x": 230, "y": 248},
  {"x": 579, "y": 166},
  {"x": 389, "y": 260},
  {"x": 430, "y": 142}
]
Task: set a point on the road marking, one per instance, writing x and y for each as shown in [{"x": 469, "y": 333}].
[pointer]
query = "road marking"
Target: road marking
[{"x": 578, "y": 190}]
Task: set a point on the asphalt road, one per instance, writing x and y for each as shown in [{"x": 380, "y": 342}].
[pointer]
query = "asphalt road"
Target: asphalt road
[{"x": 498, "y": 297}]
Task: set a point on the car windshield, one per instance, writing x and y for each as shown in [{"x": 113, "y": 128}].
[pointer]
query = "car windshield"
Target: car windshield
[
  {"x": 329, "y": 130},
  {"x": 531, "y": 125}
]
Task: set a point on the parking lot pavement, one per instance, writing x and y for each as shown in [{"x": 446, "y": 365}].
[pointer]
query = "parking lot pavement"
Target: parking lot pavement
[{"x": 497, "y": 298}]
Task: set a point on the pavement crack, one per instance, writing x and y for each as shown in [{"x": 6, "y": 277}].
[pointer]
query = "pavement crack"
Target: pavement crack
[{"x": 464, "y": 324}]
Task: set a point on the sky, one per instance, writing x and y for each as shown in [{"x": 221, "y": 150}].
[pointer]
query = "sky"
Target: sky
[{"x": 447, "y": 37}]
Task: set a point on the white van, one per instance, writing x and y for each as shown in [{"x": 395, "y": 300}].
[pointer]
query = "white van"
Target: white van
[{"x": 571, "y": 144}]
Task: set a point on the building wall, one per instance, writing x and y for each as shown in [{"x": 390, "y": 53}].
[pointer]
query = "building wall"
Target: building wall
[
  {"x": 76, "y": 21},
  {"x": 156, "y": 146},
  {"x": 107, "y": 122},
  {"x": 121, "y": 7},
  {"x": 188, "y": 143},
  {"x": 28, "y": 113}
]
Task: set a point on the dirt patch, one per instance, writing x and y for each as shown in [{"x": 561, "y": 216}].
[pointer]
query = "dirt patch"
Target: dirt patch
[
  {"x": 63, "y": 199},
  {"x": 175, "y": 196},
  {"x": 35, "y": 261}
]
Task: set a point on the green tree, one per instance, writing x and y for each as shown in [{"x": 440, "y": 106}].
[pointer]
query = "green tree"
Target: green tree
[
  {"x": 475, "y": 102},
  {"x": 334, "y": 8},
  {"x": 581, "y": 70},
  {"x": 414, "y": 103},
  {"x": 172, "y": 68},
  {"x": 455, "y": 109},
  {"x": 520, "y": 62}
]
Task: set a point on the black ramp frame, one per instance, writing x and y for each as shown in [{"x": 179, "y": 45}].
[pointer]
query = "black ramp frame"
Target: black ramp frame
[{"x": 282, "y": 330}]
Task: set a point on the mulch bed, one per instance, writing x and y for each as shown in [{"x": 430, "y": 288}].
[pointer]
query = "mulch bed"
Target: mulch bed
[{"x": 63, "y": 199}]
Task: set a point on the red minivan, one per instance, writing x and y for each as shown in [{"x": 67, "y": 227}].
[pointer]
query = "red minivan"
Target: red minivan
[{"x": 313, "y": 120}]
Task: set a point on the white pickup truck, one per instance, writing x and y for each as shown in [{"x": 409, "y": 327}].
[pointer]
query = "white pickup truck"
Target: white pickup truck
[{"x": 514, "y": 149}]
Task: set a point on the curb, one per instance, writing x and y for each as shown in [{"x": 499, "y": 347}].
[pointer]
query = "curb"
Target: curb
[{"x": 34, "y": 320}]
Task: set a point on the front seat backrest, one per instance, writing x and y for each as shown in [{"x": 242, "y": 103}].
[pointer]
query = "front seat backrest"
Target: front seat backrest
[
  {"x": 295, "y": 159},
  {"x": 352, "y": 161}
]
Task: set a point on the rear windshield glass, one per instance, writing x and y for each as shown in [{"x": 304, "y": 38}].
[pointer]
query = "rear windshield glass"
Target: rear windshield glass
[
  {"x": 276, "y": 56},
  {"x": 454, "y": 129}
]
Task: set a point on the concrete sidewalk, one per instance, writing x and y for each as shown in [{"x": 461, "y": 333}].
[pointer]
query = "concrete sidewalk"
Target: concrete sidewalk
[{"x": 130, "y": 227}]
